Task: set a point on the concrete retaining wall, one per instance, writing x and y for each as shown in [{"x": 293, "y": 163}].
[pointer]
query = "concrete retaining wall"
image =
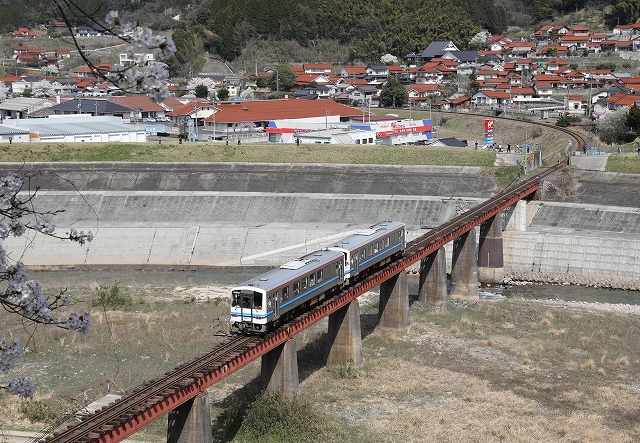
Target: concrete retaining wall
[{"x": 234, "y": 229}]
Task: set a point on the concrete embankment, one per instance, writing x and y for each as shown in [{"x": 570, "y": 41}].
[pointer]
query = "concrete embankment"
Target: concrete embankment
[{"x": 234, "y": 229}]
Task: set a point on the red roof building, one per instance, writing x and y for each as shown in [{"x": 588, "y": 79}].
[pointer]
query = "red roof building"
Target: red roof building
[{"x": 24, "y": 33}]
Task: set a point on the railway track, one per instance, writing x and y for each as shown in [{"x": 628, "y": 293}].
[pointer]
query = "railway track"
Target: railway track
[
  {"x": 157, "y": 397},
  {"x": 149, "y": 394}
]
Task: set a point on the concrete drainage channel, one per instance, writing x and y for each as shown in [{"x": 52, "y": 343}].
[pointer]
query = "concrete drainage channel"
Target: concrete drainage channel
[{"x": 248, "y": 229}]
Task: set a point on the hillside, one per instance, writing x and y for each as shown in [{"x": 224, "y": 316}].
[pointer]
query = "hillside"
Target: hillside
[{"x": 338, "y": 32}]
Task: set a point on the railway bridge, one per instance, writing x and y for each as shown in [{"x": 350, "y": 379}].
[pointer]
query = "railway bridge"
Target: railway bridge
[{"x": 182, "y": 392}]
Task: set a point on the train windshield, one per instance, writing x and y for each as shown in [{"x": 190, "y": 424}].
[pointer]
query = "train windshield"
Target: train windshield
[{"x": 246, "y": 299}]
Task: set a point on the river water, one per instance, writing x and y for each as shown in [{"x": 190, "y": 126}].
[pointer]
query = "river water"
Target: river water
[{"x": 206, "y": 276}]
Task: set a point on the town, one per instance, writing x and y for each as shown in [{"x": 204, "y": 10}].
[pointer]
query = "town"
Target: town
[{"x": 557, "y": 71}]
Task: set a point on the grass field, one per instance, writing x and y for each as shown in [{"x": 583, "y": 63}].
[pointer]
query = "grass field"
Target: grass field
[{"x": 462, "y": 126}]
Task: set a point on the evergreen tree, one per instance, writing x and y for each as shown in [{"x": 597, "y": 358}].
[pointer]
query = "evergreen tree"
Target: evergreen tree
[
  {"x": 223, "y": 94},
  {"x": 283, "y": 79},
  {"x": 632, "y": 119},
  {"x": 202, "y": 91},
  {"x": 393, "y": 94}
]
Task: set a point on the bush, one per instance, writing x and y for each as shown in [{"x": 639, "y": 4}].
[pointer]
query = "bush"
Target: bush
[
  {"x": 566, "y": 120},
  {"x": 37, "y": 411},
  {"x": 112, "y": 297},
  {"x": 271, "y": 418}
]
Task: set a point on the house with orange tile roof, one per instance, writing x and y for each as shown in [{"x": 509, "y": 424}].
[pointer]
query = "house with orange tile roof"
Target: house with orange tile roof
[
  {"x": 307, "y": 79},
  {"x": 525, "y": 64},
  {"x": 353, "y": 71},
  {"x": 574, "y": 102},
  {"x": 491, "y": 98},
  {"x": 574, "y": 42},
  {"x": 318, "y": 68},
  {"x": 543, "y": 89},
  {"x": 460, "y": 102},
  {"x": 521, "y": 49},
  {"x": 243, "y": 119},
  {"x": 523, "y": 94},
  {"x": 24, "y": 33},
  {"x": 550, "y": 32},
  {"x": 428, "y": 73},
  {"x": 188, "y": 115},
  {"x": 86, "y": 71},
  {"x": 421, "y": 92},
  {"x": 554, "y": 66},
  {"x": 595, "y": 37},
  {"x": 581, "y": 30},
  {"x": 552, "y": 51},
  {"x": 622, "y": 30},
  {"x": 594, "y": 48},
  {"x": 621, "y": 100},
  {"x": 23, "y": 54},
  {"x": 63, "y": 53}
]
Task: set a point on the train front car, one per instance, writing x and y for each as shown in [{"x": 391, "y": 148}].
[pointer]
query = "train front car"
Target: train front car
[
  {"x": 265, "y": 301},
  {"x": 370, "y": 248}
]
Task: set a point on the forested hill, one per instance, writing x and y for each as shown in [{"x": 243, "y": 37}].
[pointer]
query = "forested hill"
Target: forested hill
[
  {"x": 394, "y": 26},
  {"x": 367, "y": 28}
]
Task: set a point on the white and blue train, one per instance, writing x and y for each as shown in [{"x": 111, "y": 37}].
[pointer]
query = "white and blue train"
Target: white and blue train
[{"x": 276, "y": 296}]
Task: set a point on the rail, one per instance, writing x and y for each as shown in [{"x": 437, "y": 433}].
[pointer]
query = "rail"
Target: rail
[{"x": 146, "y": 403}]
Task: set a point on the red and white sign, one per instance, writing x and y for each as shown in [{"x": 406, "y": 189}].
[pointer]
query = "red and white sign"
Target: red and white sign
[
  {"x": 395, "y": 128},
  {"x": 488, "y": 125}
]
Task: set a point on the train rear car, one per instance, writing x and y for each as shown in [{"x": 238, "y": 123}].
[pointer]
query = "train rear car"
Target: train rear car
[
  {"x": 371, "y": 248},
  {"x": 277, "y": 295}
]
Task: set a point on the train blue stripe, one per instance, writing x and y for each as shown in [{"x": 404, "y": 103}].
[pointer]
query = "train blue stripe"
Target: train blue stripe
[
  {"x": 284, "y": 305},
  {"x": 375, "y": 257}
]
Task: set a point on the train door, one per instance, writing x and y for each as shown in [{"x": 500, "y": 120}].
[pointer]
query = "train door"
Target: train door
[
  {"x": 274, "y": 302},
  {"x": 355, "y": 256},
  {"x": 246, "y": 304}
]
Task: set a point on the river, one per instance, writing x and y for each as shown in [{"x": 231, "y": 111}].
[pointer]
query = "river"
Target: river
[{"x": 216, "y": 276}]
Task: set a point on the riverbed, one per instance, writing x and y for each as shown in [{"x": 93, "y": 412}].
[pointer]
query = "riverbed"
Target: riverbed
[{"x": 186, "y": 277}]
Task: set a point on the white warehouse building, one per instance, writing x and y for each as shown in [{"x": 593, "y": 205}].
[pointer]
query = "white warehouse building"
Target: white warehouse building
[{"x": 78, "y": 128}]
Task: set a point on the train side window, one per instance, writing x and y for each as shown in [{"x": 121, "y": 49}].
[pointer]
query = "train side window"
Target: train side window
[
  {"x": 386, "y": 242},
  {"x": 319, "y": 275},
  {"x": 257, "y": 300},
  {"x": 370, "y": 251},
  {"x": 285, "y": 292},
  {"x": 312, "y": 280},
  {"x": 296, "y": 288},
  {"x": 376, "y": 248},
  {"x": 235, "y": 298},
  {"x": 362, "y": 254},
  {"x": 305, "y": 283}
]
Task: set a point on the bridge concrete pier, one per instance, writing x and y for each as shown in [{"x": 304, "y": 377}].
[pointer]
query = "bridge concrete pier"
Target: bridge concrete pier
[
  {"x": 279, "y": 370},
  {"x": 394, "y": 304},
  {"x": 432, "y": 286},
  {"x": 345, "y": 336},
  {"x": 490, "y": 252},
  {"x": 518, "y": 219},
  {"x": 464, "y": 267},
  {"x": 191, "y": 421}
]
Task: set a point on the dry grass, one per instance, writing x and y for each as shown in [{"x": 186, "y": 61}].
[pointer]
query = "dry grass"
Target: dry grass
[
  {"x": 501, "y": 377},
  {"x": 248, "y": 152},
  {"x": 461, "y": 126}
]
